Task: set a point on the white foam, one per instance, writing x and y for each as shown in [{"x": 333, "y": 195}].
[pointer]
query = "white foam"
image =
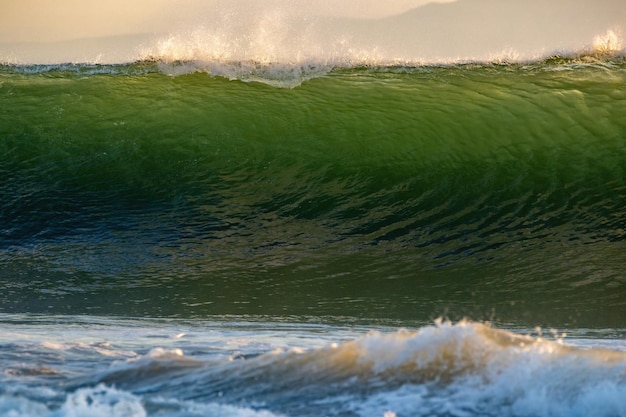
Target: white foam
[
  {"x": 100, "y": 401},
  {"x": 11, "y": 406},
  {"x": 105, "y": 401},
  {"x": 195, "y": 409}
]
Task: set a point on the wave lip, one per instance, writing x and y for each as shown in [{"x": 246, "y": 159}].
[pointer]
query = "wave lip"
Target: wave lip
[
  {"x": 282, "y": 40},
  {"x": 282, "y": 58},
  {"x": 293, "y": 74}
]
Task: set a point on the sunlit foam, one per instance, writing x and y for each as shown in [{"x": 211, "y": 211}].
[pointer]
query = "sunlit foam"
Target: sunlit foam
[
  {"x": 305, "y": 34},
  {"x": 609, "y": 43}
]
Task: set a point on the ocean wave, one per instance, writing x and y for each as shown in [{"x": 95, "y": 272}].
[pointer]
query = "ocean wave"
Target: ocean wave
[{"x": 474, "y": 176}]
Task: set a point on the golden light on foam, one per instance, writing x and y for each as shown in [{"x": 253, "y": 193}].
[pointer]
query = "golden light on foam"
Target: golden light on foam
[
  {"x": 608, "y": 43},
  {"x": 301, "y": 31}
]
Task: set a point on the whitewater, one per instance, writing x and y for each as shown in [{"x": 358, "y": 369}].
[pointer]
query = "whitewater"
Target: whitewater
[
  {"x": 286, "y": 208},
  {"x": 258, "y": 368}
]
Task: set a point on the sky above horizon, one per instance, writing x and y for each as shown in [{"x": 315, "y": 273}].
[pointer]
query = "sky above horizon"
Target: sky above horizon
[{"x": 45, "y": 21}]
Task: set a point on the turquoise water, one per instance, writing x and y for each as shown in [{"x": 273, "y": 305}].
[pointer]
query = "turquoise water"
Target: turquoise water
[{"x": 175, "y": 243}]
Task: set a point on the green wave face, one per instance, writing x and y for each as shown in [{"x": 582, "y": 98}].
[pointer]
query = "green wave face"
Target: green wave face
[{"x": 486, "y": 191}]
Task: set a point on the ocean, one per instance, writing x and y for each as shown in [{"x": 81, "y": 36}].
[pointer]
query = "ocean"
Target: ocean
[{"x": 345, "y": 234}]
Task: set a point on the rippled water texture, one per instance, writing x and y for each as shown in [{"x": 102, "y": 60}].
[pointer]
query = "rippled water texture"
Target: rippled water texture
[{"x": 487, "y": 191}]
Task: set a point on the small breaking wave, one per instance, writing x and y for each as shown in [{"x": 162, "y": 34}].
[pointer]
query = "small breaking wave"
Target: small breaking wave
[{"x": 466, "y": 368}]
